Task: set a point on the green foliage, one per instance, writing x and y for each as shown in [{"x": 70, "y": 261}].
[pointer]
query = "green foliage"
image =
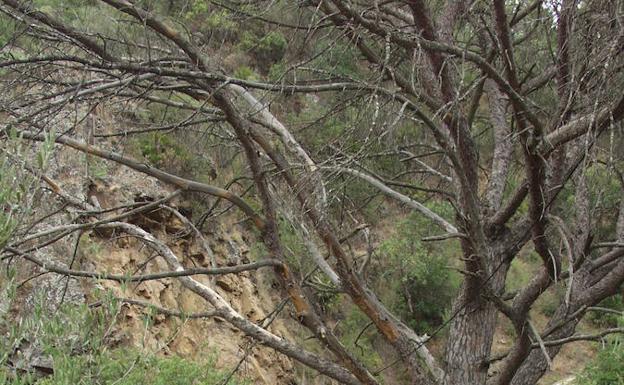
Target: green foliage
[
  {"x": 607, "y": 367},
  {"x": 267, "y": 49},
  {"x": 549, "y": 302},
  {"x": 78, "y": 13},
  {"x": 16, "y": 184},
  {"x": 294, "y": 249},
  {"x": 7, "y": 29},
  {"x": 607, "y": 319},
  {"x": 217, "y": 23},
  {"x": 66, "y": 9},
  {"x": 220, "y": 20},
  {"x": 277, "y": 71},
  {"x": 605, "y": 193},
  {"x": 340, "y": 58},
  {"x": 419, "y": 276},
  {"x": 74, "y": 337},
  {"x": 358, "y": 336},
  {"x": 69, "y": 331},
  {"x": 521, "y": 271},
  {"x": 98, "y": 168},
  {"x": 200, "y": 8},
  {"x": 178, "y": 151},
  {"x": 158, "y": 147},
  {"x": 129, "y": 367},
  {"x": 257, "y": 251},
  {"x": 245, "y": 73},
  {"x": 88, "y": 246}
]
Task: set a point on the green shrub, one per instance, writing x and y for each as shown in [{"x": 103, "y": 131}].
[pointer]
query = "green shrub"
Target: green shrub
[
  {"x": 605, "y": 192},
  {"x": 7, "y": 29},
  {"x": 277, "y": 71},
  {"x": 245, "y": 73},
  {"x": 18, "y": 186},
  {"x": 358, "y": 336},
  {"x": 267, "y": 49},
  {"x": 419, "y": 275},
  {"x": 551, "y": 300},
  {"x": 520, "y": 273},
  {"x": 607, "y": 319},
  {"x": 198, "y": 8},
  {"x": 165, "y": 152},
  {"x": 98, "y": 168},
  {"x": 130, "y": 367},
  {"x": 216, "y": 23},
  {"x": 607, "y": 368},
  {"x": 74, "y": 338},
  {"x": 340, "y": 58},
  {"x": 295, "y": 250}
]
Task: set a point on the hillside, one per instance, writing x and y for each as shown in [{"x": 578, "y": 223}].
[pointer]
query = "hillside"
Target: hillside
[{"x": 316, "y": 192}]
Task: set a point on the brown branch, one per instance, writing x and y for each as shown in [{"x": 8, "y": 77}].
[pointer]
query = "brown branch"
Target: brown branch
[
  {"x": 428, "y": 32},
  {"x": 438, "y": 220},
  {"x": 270, "y": 234},
  {"x": 561, "y": 341},
  {"x": 161, "y": 310},
  {"x": 53, "y": 268},
  {"x": 229, "y": 314},
  {"x": 591, "y": 123},
  {"x": 416, "y": 42},
  {"x": 159, "y": 26},
  {"x": 535, "y": 165},
  {"x": 84, "y": 226},
  {"x": 184, "y": 184},
  {"x": 63, "y": 28},
  {"x": 390, "y": 327}
]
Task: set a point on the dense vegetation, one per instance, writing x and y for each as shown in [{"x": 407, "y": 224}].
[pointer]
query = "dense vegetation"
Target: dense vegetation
[{"x": 418, "y": 173}]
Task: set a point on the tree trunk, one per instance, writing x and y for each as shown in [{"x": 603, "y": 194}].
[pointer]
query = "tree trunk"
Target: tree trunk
[{"x": 469, "y": 342}]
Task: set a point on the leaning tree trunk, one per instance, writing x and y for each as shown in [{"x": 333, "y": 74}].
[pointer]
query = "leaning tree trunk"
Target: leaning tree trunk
[{"x": 535, "y": 365}]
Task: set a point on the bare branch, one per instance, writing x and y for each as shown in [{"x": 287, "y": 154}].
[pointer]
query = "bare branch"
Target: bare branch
[
  {"x": 445, "y": 225},
  {"x": 181, "y": 183},
  {"x": 53, "y": 268}
]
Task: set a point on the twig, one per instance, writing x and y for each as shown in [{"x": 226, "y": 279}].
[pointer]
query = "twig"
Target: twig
[{"x": 540, "y": 343}]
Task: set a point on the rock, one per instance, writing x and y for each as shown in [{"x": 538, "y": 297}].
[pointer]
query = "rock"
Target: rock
[{"x": 225, "y": 283}]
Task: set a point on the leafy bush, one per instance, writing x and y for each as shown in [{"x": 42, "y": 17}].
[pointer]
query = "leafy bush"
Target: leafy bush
[
  {"x": 295, "y": 251},
  {"x": 358, "y": 336},
  {"x": 129, "y": 367},
  {"x": 341, "y": 59},
  {"x": 7, "y": 29},
  {"x": 607, "y": 319},
  {"x": 98, "y": 168},
  {"x": 157, "y": 148},
  {"x": 605, "y": 191},
  {"x": 164, "y": 151},
  {"x": 277, "y": 72},
  {"x": 74, "y": 339},
  {"x": 551, "y": 300},
  {"x": 246, "y": 73},
  {"x": 267, "y": 49},
  {"x": 607, "y": 367},
  {"x": 420, "y": 276},
  {"x": 216, "y": 23},
  {"x": 17, "y": 185}
]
